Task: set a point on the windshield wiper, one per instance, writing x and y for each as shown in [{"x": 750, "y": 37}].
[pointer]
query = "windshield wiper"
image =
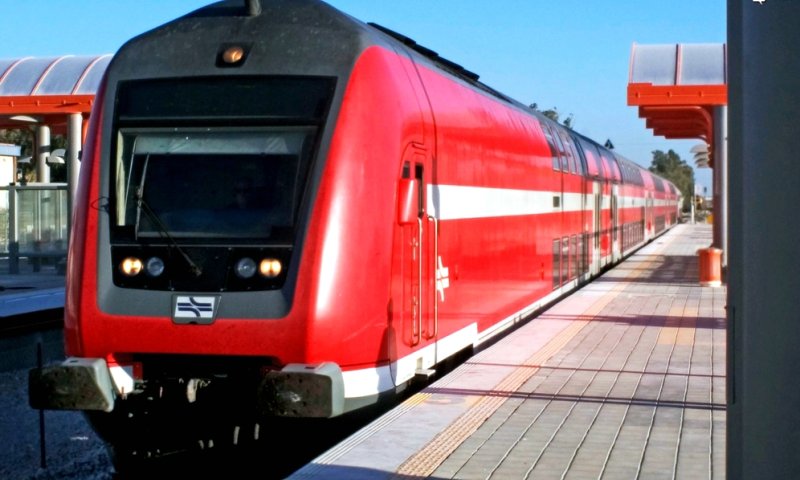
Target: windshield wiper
[{"x": 142, "y": 206}]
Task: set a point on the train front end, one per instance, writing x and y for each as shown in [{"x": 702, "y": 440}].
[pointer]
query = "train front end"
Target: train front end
[{"x": 193, "y": 279}]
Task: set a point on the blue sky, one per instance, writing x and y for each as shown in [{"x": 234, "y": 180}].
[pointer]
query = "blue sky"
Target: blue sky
[{"x": 569, "y": 54}]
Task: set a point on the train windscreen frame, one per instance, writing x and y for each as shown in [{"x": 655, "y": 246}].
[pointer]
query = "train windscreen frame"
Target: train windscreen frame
[
  {"x": 184, "y": 146},
  {"x": 209, "y": 184}
]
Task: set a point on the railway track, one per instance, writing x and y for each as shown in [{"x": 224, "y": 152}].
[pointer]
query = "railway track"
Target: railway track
[
  {"x": 22, "y": 336},
  {"x": 26, "y": 323}
]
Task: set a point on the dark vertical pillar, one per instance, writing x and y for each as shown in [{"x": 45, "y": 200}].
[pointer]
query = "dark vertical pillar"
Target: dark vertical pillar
[{"x": 764, "y": 267}]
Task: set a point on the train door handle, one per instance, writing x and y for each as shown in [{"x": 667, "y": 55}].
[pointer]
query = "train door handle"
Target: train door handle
[{"x": 435, "y": 266}]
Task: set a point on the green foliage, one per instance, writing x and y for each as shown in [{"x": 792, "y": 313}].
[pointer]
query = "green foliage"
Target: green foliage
[
  {"x": 670, "y": 166},
  {"x": 552, "y": 114},
  {"x": 17, "y": 136}
]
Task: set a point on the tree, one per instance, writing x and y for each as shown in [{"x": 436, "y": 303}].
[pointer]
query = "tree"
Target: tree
[
  {"x": 670, "y": 166},
  {"x": 552, "y": 114}
]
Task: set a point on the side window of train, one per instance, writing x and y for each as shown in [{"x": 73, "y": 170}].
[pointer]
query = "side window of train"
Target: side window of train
[
  {"x": 575, "y": 162},
  {"x": 573, "y": 145},
  {"x": 573, "y": 254},
  {"x": 592, "y": 159},
  {"x": 579, "y": 156},
  {"x": 569, "y": 153},
  {"x": 561, "y": 152},
  {"x": 556, "y": 263},
  {"x": 583, "y": 244},
  {"x": 548, "y": 135},
  {"x": 564, "y": 260}
]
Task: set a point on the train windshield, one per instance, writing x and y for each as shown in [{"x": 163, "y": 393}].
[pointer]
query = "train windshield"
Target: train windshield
[{"x": 211, "y": 183}]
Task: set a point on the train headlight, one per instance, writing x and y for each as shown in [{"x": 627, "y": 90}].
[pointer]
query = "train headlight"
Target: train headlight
[
  {"x": 131, "y": 266},
  {"x": 245, "y": 268},
  {"x": 270, "y": 267},
  {"x": 154, "y": 266}
]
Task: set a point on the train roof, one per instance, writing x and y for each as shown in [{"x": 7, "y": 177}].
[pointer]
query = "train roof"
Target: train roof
[
  {"x": 319, "y": 14},
  {"x": 316, "y": 34}
]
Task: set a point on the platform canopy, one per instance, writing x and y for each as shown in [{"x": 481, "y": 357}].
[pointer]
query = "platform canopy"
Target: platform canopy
[
  {"x": 677, "y": 86},
  {"x": 47, "y": 90}
]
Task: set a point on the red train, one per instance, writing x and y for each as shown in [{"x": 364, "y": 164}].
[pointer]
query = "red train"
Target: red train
[{"x": 286, "y": 212}]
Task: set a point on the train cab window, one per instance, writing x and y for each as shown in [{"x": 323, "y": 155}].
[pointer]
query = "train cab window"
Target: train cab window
[
  {"x": 230, "y": 168},
  {"x": 161, "y": 182}
]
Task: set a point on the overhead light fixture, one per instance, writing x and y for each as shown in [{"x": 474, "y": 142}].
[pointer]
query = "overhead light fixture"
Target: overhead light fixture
[
  {"x": 699, "y": 148},
  {"x": 26, "y": 119},
  {"x": 57, "y": 156},
  {"x": 701, "y": 159}
]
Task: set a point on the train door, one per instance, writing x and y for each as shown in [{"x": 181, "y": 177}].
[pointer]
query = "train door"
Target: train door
[
  {"x": 561, "y": 167},
  {"x": 419, "y": 243},
  {"x": 586, "y": 217},
  {"x": 555, "y": 226},
  {"x": 436, "y": 281},
  {"x": 596, "y": 223},
  {"x": 616, "y": 252}
]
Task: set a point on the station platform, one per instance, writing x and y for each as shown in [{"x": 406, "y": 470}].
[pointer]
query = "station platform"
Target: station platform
[
  {"x": 30, "y": 291},
  {"x": 625, "y": 378}
]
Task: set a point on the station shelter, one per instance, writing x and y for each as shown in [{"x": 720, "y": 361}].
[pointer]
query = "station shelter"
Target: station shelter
[
  {"x": 43, "y": 96},
  {"x": 681, "y": 91}
]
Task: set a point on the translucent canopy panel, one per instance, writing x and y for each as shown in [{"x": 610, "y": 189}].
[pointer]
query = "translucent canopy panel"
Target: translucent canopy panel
[
  {"x": 703, "y": 65},
  {"x": 67, "y": 75},
  {"x": 653, "y": 64},
  {"x": 679, "y": 64}
]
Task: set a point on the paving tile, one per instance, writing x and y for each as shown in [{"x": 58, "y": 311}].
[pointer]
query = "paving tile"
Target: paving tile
[{"x": 639, "y": 390}]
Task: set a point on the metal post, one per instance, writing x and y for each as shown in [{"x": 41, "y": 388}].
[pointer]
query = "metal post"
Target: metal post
[
  {"x": 13, "y": 230},
  {"x": 721, "y": 181},
  {"x": 38, "y": 207},
  {"x": 42, "y": 436},
  {"x": 74, "y": 137},
  {"x": 42, "y": 153}
]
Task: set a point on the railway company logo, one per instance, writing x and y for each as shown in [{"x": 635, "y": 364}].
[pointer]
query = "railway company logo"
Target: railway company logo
[
  {"x": 192, "y": 308},
  {"x": 442, "y": 278}
]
